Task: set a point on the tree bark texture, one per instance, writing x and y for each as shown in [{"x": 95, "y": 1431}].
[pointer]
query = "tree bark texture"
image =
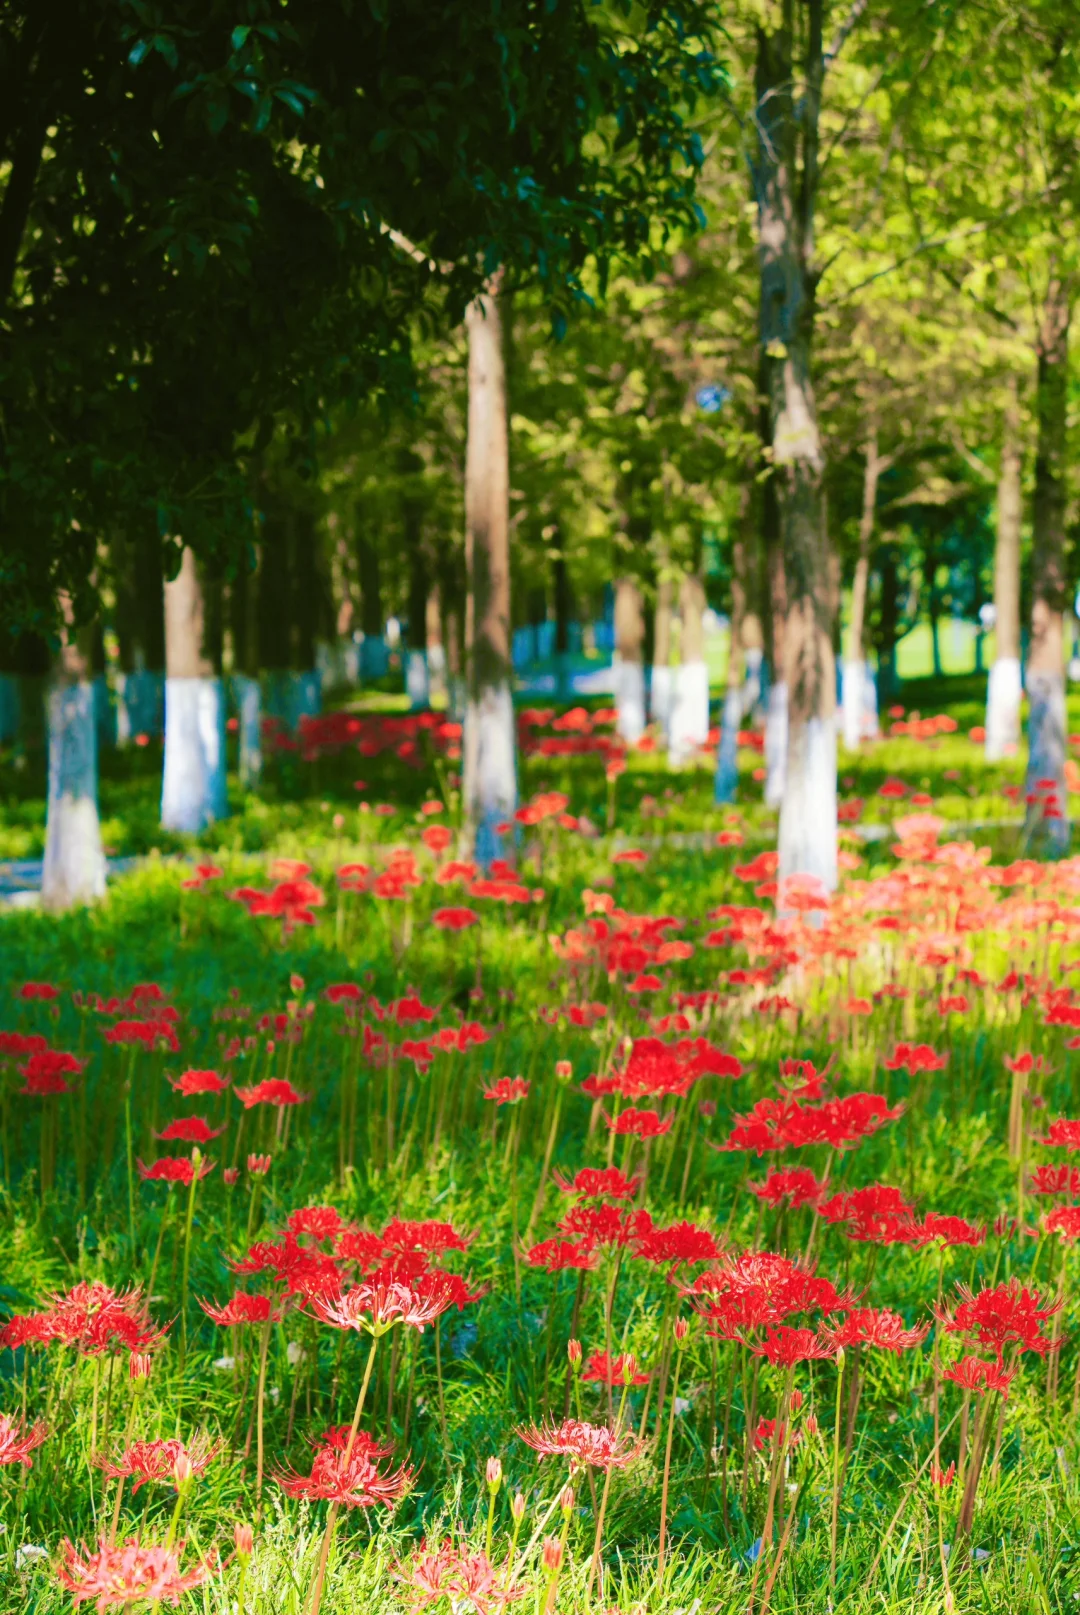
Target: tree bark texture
[
  {"x": 1048, "y": 822},
  {"x": 1005, "y": 683},
  {"x": 489, "y": 752},
  {"x": 689, "y": 727},
  {"x": 855, "y": 670},
  {"x": 786, "y": 192},
  {"x": 727, "y": 756},
  {"x": 193, "y": 781},
  {"x": 661, "y": 678},
  {"x": 628, "y": 668},
  {"x": 74, "y": 866}
]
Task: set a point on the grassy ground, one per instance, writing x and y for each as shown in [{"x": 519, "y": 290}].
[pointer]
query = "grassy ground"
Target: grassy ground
[{"x": 377, "y": 1141}]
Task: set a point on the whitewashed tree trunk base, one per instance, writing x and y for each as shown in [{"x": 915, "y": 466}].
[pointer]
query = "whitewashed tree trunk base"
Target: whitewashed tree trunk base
[
  {"x": 727, "y": 754},
  {"x": 807, "y": 840},
  {"x": 74, "y": 868},
  {"x": 689, "y": 727},
  {"x": 489, "y": 757},
  {"x": 1004, "y": 690},
  {"x": 662, "y": 696},
  {"x": 247, "y": 696},
  {"x": 304, "y": 696},
  {"x": 436, "y": 666},
  {"x": 374, "y": 657},
  {"x": 193, "y": 782},
  {"x": 851, "y": 703},
  {"x": 629, "y": 680},
  {"x": 776, "y": 744},
  {"x": 417, "y": 680},
  {"x": 1047, "y": 742}
]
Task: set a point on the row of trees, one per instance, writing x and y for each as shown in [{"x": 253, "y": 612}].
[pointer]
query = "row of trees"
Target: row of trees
[{"x": 560, "y": 297}]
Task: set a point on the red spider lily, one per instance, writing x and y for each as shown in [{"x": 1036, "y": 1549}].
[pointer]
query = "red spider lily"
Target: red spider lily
[
  {"x": 17, "y": 1441},
  {"x": 321, "y": 1222},
  {"x": 437, "y": 837},
  {"x": 174, "y": 1169},
  {"x": 1064, "y": 1134},
  {"x": 760, "y": 1287},
  {"x": 43, "y": 990},
  {"x": 349, "y": 1479},
  {"x": 375, "y": 1307},
  {"x": 454, "y": 919},
  {"x": 290, "y": 900},
  {"x": 272, "y": 1091},
  {"x": 467, "y": 1580},
  {"x": 359, "y": 1245},
  {"x": 773, "y": 1433},
  {"x": 1002, "y": 1315},
  {"x": 508, "y": 1091},
  {"x": 973, "y": 1374},
  {"x": 161, "y": 1460},
  {"x": 795, "y": 1183},
  {"x": 1055, "y": 1180},
  {"x": 682, "y": 1242},
  {"x": 120, "y": 1576},
  {"x": 457, "y": 871},
  {"x": 641, "y": 1123},
  {"x": 434, "y": 1238},
  {"x": 259, "y": 1165},
  {"x": 409, "y": 1010},
  {"x": 46, "y": 1069},
  {"x": 94, "y": 1318},
  {"x": 621, "y": 1370},
  {"x": 942, "y": 1477},
  {"x": 203, "y": 873},
  {"x": 23, "y": 1043},
  {"x": 561, "y": 1255},
  {"x": 786, "y": 1345},
  {"x": 344, "y": 992},
  {"x": 1064, "y": 1220},
  {"x": 302, "y": 1271},
  {"x": 340, "y": 1436},
  {"x": 952, "y": 1230},
  {"x": 1024, "y": 1064},
  {"x": 600, "y": 1183},
  {"x": 915, "y": 1057},
  {"x": 190, "y": 1130},
  {"x": 605, "y": 1225},
  {"x": 586, "y": 1445},
  {"x": 776, "y": 1124},
  {"x": 242, "y": 1308},
  {"x": 191, "y": 1083},
  {"x": 149, "y": 1034},
  {"x": 875, "y": 1326}
]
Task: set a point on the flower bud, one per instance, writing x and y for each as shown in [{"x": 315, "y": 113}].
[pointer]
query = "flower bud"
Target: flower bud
[
  {"x": 244, "y": 1538},
  {"x": 231, "y": 1175},
  {"x": 566, "y": 1500},
  {"x": 494, "y": 1473},
  {"x": 563, "y": 1070},
  {"x": 258, "y": 1165},
  {"x": 517, "y": 1508},
  {"x": 139, "y": 1365},
  {"x": 682, "y": 1329},
  {"x": 296, "y": 983},
  {"x": 629, "y": 1369},
  {"x": 573, "y": 1352},
  {"x": 182, "y": 1470},
  {"x": 552, "y": 1554}
]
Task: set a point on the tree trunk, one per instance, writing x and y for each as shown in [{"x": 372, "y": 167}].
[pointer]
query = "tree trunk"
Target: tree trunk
[
  {"x": 1046, "y": 792},
  {"x": 727, "y": 756},
  {"x": 489, "y": 752},
  {"x": 373, "y": 658},
  {"x": 856, "y": 671},
  {"x": 74, "y": 867},
  {"x": 661, "y": 679},
  {"x": 140, "y": 630},
  {"x": 627, "y": 664},
  {"x": 560, "y": 577},
  {"x": 1005, "y": 684},
  {"x": 193, "y": 783},
  {"x": 776, "y": 710},
  {"x": 417, "y": 674},
  {"x": 690, "y": 709},
  {"x": 246, "y": 692},
  {"x": 786, "y": 199},
  {"x": 307, "y": 594}
]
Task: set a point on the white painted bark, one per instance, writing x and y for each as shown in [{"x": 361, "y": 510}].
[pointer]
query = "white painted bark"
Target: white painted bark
[
  {"x": 1004, "y": 692},
  {"x": 489, "y": 752},
  {"x": 853, "y": 699},
  {"x": 689, "y": 728},
  {"x": 661, "y": 696},
  {"x": 247, "y": 695},
  {"x": 193, "y": 791},
  {"x": 417, "y": 680},
  {"x": 807, "y": 842},
  {"x": 74, "y": 867},
  {"x": 627, "y": 670},
  {"x": 776, "y": 744},
  {"x": 727, "y": 757}
]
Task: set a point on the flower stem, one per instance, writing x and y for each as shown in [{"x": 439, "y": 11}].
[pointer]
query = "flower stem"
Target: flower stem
[
  {"x": 667, "y": 1462},
  {"x": 331, "y": 1516}
]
